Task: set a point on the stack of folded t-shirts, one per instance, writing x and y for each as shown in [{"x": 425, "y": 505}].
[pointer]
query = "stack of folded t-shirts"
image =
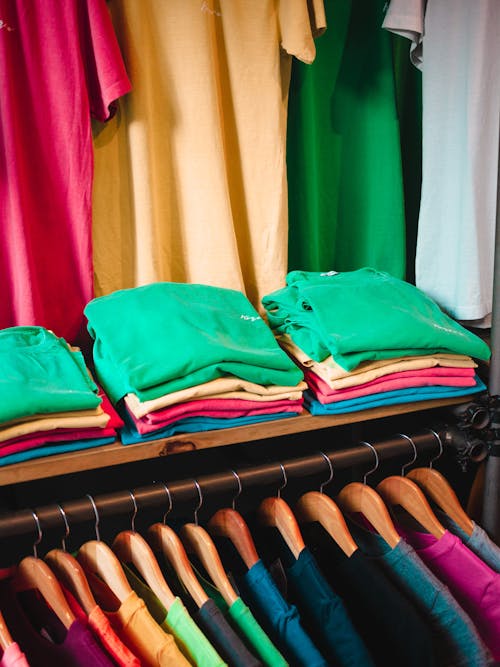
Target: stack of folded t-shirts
[
  {"x": 365, "y": 339},
  {"x": 178, "y": 357},
  {"x": 49, "y": 403}
]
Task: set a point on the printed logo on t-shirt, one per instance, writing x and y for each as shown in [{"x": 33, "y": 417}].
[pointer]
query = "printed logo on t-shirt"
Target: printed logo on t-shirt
[
  {"x": 208, "y": 10},
  {"x": 251, "y": 318},
  {"x": 329, "y": 273},
  {"x": 5, "y": 26}
]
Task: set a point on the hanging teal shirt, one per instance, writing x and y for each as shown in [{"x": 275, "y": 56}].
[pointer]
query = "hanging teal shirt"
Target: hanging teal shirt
[
  {"x": 346, "y": 204},
  {"x": 364, "y": 315},
  {"x": 40, "y": 374},
  {"x": 279, "y": 619},
  {"x": 164, "y": 337}
]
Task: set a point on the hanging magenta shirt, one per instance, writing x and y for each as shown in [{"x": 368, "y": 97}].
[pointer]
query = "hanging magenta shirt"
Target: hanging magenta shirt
[
  {"x": 59, "y": 65},
  {"x": 473, "y": 583}
]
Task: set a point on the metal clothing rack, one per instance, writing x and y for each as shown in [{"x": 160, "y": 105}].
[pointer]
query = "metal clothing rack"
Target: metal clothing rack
[
  {"x": 226, "y": 483},
  {"x": 491, "y": 497}
]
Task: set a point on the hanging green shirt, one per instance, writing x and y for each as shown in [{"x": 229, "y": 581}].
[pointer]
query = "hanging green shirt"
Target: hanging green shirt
[
  {"x": 165, "y": 337},
  {"x": 243, "y": 619},
  {"x": 178, "y": 622},
  {"x": 40, "y": 374},
  {"x": 364, "y": 315},
  {"x": 345, "y": 180}
]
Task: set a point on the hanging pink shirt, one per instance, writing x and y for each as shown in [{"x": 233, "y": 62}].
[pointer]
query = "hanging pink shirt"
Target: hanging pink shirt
[
  {"x": 13, "y": 657},
  {"x": 475, "y": 586},
  {"x": 449, "y": 377},
  {"x": 59, "y": 65}
]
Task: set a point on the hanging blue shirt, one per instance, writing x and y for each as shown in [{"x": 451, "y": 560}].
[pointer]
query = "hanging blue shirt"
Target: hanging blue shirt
[{"x": 279, "y": 619}]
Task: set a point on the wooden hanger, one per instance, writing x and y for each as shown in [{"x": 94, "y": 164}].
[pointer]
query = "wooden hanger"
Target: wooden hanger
[
  {"x": 198, "y": 541},
  {"x": 230, "y": 524},
  {"x": 399, "y": 490},
  {"x": 396, "y": 490},
  {"x": 357, "y": 497},
  {"x": 163, "y": 538},
  {"x": 438, "y": 489},
  {"x": 276, "y": 512},
  {"x": 70, "y": 573},
  {"x": 34, "y": 573},
  {"x": 130, "y": 547},
  {"x": 5, "y": 636},
  {"x": 315, "y": 506},
  {"x": 98, "y": 559}
]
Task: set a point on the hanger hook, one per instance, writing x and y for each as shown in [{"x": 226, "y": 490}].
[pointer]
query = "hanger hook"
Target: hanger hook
[
  {"x": 285, "y": 480},
  {"x": 97, "y": 520},
  {"x": 240, "y": 488},
  {"x": 200, "y": 503},
  {"x": 169, "y": 496},
  {"x": 132, "y": 520},
  {"x": 406, "y": 465},
  {"x": 38, "y": 533},
  {"x": 328, "y": 460},
  {"x": 377, "y": 460},
  {"x": 440, "y": 453},
  {"x": 66, "y": 526}
]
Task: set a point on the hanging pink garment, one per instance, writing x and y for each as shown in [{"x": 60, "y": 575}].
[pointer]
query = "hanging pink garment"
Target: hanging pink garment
[
  {"x": 449, "y": 377},
  {"x": 59, "y": 65}
]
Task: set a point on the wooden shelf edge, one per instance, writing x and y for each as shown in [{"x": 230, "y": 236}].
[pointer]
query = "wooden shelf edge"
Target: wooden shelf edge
[{"x": 117, "y": 453}]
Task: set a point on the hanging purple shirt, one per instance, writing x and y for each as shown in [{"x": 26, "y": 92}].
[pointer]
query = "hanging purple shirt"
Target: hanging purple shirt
[{"x": 54, "y": 645}]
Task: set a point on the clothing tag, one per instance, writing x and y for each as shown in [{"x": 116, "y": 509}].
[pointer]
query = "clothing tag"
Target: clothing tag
[{"x": 329, "y": 273}]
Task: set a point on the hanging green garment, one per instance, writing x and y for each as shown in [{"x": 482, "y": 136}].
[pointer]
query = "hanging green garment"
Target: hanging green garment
[{"x": 346, "y": 204}]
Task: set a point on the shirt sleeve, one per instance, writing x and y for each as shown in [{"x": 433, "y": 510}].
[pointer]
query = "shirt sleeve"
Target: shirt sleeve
[
  {"x": 300, "y": 22},
  {"x": 407, "y": 18},
  {"x": 104, "y": 68}
]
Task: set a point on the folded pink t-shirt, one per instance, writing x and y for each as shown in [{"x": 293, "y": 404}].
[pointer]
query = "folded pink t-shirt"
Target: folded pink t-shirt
[
  {"x": 449, "y": 377},
  {"x": 212, "y": 407},
  {"x": 40, "y": 438},
  {"x": 474, "y": 584}
]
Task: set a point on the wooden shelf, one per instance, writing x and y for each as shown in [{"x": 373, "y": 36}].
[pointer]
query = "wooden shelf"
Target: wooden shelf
[{"x": 116, "y": 453}]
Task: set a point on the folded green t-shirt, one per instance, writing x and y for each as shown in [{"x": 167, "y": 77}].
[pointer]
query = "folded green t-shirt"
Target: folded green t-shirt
[
  {"x": 364, "y": 315},
  {"x": 164, "y": 337},
  {"x": 40, "y": 374}
]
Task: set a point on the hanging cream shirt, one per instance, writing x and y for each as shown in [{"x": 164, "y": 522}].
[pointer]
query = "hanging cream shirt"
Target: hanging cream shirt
[{"x": 190, "y": 179}]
